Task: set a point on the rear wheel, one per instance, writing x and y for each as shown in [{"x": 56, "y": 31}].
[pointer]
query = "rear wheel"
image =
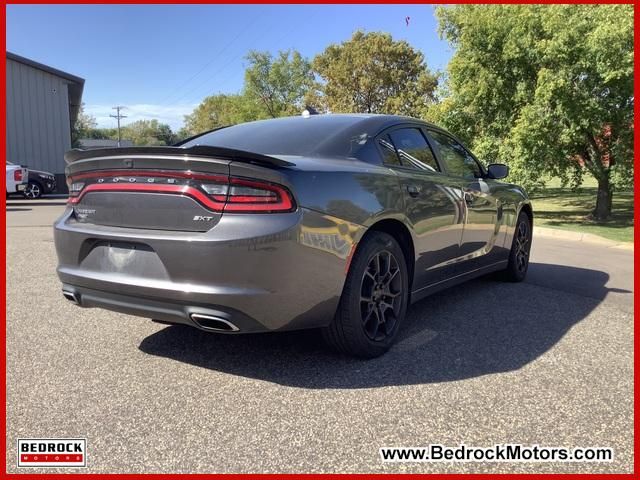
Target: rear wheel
[
  {"x": 33, "y": 190},
  {"x": 374, "y": 299},
  {"x": 516, "y": 270}
]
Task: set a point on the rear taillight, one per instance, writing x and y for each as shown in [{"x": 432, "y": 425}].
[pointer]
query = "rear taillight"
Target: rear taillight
[
  {"x": 75, "y": 188},
  {"x": 217, "y": 193},
  {"x": 255, "y": 196},
  {"x": 17, "y": 175}
]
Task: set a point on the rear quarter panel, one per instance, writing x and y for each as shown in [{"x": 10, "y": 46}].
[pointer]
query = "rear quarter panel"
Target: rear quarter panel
[
  {"x": 10, "y": 184},
  {"x": 349, "y": 190},
  {"x": 362, "y": 194},
  {"x": 345, "y": 198}
]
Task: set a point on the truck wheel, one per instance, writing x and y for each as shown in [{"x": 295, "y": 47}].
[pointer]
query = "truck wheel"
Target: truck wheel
[{"x": 33, "y": 191}]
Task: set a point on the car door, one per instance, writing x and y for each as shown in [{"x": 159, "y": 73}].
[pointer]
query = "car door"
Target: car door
[
  {"x": 433, "y": 202},
  {"x": 482, "y": 211}
]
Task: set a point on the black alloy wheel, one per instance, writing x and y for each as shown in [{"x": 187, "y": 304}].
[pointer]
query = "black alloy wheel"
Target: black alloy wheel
[
  {"x": 522, "y": 246},
  {"x": 518, "y": 265},
  {"x": 381, "y": 295},
  {"x": 374, "y": 299}
]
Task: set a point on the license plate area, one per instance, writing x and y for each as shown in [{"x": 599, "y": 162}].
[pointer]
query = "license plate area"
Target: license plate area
[{"x": 137, "y": 259}]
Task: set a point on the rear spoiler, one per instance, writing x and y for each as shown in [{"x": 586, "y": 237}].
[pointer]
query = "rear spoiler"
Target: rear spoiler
[{"x": 198, "y": 150}]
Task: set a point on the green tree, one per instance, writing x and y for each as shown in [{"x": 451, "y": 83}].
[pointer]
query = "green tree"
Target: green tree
[
  {"x": 280, "y": 84},
  {"x": 100, "y": 133},
  {"x": 547, "y": 89},
  {"x": 372, "y": 73},
  {"x": 273, "y": 87},
  {"x": 84, "y": 126},
  {"x": 147, "y": 132},
  {"x": 183, "y": 134},
  {"x": 221, "y": 110}
]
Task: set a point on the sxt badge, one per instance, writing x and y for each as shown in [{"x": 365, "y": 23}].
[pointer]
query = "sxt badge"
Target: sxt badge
[{"x": 200, "y": 218}]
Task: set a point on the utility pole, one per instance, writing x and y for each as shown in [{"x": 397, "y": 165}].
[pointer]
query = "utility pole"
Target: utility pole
[{"x": 118, "y": 116}]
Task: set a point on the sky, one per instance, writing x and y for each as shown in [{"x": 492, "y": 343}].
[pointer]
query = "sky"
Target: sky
[{"x": 160, "y": 61}]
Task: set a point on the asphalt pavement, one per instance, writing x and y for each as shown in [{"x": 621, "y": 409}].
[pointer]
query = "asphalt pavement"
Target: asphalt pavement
[{"x": 548, "y": 361}]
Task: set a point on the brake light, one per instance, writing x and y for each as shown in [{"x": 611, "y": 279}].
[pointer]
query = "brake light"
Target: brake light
[
  {"x": 217, "y": 193},
  {"x": 17, "y": 175},
  {"x": 254, "y": 196}
]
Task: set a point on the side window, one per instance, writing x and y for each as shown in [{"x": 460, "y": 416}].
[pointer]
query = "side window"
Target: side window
[
  {"x": 413, "y": 149},
  {"x": 457, "y": 160},
  {"x": 389, "y": 155}
]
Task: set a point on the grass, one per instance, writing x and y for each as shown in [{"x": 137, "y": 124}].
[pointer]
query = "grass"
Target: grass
[{"x": 567, "y": 209}]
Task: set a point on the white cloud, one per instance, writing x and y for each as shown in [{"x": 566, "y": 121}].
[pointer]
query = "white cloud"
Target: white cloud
[{"x": 173, "y": 114}]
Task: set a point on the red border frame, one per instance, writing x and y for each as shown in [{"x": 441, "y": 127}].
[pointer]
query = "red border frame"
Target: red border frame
[{"x": 3, "y": 338}]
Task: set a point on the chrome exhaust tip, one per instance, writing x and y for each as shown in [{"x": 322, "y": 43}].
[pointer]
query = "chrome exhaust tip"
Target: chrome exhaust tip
[
  {"x": 71, "y": 296},
  {"x": 213, "y": 323}
]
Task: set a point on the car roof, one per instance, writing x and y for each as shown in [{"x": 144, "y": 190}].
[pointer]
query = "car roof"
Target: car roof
[
  {"x": 373, "y": 122},
  {"x": 323, "y": 134}
]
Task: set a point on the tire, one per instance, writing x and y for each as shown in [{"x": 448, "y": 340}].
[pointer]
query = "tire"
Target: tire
[
  {"x": 374, "y": 299},
  {"x": 516, "y": 270},
  {"x": 33, "y": 191}
]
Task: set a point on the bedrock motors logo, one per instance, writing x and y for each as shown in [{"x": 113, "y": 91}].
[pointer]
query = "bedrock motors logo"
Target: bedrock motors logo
[{"x": 52, "y": 452}]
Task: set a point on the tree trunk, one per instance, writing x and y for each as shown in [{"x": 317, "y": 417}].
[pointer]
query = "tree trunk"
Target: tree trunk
[{"x": 603, "y": 201}]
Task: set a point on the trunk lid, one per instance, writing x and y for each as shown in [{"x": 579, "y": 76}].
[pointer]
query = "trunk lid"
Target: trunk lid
[{"x": 161, "y": 188}]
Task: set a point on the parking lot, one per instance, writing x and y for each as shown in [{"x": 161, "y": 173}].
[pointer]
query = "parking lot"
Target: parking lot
[{"x": 546, "y": 362}]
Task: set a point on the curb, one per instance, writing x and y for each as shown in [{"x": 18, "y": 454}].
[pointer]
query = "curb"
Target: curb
[{"x": 580, "y": 237}]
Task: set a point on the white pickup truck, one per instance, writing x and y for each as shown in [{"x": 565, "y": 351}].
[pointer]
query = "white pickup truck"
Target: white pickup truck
[{"x": 17, "y": 178}]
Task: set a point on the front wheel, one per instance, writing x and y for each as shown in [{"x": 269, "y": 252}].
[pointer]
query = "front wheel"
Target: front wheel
[
  {"x": 374, "y": 299},
  {"x": 518, "y": 265}
]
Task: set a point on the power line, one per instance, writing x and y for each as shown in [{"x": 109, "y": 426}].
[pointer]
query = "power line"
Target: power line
[
  {"x": 286, "y": 33},
  {"x": 216, "y": 73},
  {"x": 206, "y": 65},
  {"x": 118, "y": 116},
  {"x": 206, "y": 80}
]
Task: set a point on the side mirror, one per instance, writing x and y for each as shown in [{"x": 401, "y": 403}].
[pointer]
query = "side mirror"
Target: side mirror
[{"x": 497, "y": 171}]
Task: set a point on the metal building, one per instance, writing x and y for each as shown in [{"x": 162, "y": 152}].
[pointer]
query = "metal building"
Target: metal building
[{"x": 42, "y": 106}]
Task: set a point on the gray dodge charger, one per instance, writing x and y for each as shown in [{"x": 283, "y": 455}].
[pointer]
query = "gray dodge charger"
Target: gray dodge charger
[{"x": 336, "y": 222}]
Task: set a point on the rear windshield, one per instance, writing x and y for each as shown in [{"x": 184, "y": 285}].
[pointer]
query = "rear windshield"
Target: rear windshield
[{"x": 312, "y": 136}]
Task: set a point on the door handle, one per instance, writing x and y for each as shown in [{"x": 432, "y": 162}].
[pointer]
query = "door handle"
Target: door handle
[{"x": 413, "y": 190}]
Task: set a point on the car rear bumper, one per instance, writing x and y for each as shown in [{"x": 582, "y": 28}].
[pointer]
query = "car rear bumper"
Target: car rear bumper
[
  {"x": 217, "y": 318},
  {"x": 256, "y": 272}
]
